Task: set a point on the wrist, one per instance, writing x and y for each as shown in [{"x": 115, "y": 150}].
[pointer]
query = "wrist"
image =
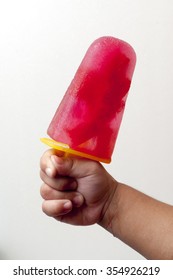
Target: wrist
[{"x": 109, "y": 218}]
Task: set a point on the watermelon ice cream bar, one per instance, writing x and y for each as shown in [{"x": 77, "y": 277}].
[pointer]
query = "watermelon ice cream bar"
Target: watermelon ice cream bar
[{"x": 88, "y": 118}]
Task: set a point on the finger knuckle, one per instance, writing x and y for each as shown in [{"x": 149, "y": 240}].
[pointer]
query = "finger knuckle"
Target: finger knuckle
[{"x": 45, "y": 191}]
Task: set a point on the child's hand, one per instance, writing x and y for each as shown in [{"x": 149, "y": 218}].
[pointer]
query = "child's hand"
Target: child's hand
[{"x": 75, "y": 190}]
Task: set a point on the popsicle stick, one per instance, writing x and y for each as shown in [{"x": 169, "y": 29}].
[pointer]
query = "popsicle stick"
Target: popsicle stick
[{"x": 68, "y": 151}]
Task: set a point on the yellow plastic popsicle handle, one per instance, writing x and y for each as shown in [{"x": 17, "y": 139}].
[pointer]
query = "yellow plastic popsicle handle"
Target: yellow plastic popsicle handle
[{"x": 67, "y": 150}]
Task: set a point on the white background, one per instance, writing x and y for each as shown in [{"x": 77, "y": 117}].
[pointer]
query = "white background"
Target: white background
[{"x": 41, "y": 45}]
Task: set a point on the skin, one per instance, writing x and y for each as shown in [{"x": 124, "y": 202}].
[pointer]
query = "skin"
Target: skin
[{"x": 81, "y": 192}]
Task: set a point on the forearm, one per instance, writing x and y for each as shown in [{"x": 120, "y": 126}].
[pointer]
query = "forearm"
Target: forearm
[{"x": 140, "y": 221}]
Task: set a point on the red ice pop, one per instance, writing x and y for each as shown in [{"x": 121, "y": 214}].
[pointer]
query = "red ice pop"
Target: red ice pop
[{"x": 88, "y": 118}]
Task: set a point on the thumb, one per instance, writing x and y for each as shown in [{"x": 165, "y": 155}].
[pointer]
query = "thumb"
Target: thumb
[{"x": 74, "y": 167}]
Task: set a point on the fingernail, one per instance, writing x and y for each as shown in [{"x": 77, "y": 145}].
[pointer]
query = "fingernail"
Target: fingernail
[
  {"x": 67, "y": 205},
  {"x": 49, "y": 171},
  {"x": 56, "y": 160}
]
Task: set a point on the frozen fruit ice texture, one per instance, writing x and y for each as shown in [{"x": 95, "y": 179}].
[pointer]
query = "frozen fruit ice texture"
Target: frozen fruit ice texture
[{"x": 89, "y": 116}]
